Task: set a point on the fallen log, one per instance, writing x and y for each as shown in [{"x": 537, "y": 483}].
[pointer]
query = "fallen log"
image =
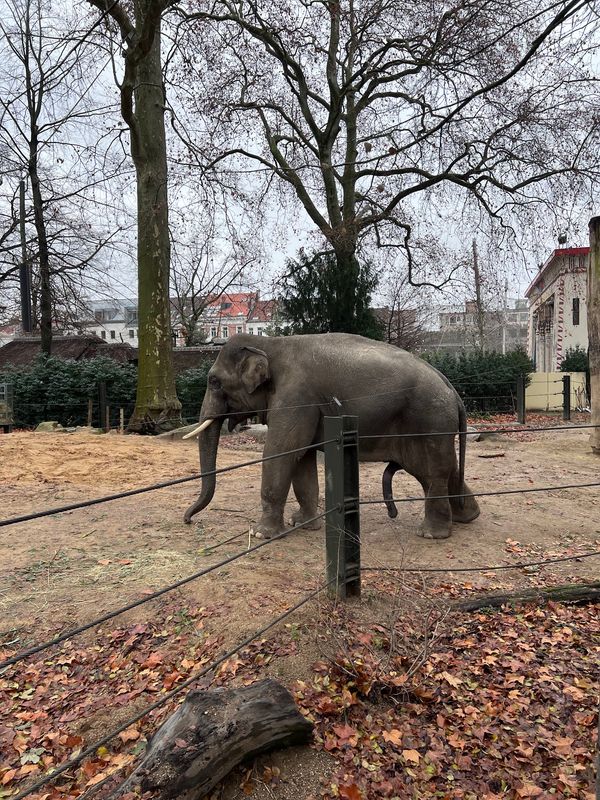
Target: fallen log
[
  {"x": 570, "y": 593},
  {"x": 211, "y": 733}
]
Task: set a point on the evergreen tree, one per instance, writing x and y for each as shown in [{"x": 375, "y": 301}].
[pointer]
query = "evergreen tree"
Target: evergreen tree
[{"x": 321, "y": 296}]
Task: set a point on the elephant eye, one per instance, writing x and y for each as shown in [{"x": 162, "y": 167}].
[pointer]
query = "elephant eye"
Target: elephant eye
[{"x": 214, "y": 383}]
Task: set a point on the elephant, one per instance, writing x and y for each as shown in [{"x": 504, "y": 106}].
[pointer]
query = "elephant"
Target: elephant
[{"x": 293, "y": 382}]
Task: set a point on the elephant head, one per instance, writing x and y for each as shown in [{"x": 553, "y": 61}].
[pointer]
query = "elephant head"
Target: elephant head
[{"x": 236, "y": 389}]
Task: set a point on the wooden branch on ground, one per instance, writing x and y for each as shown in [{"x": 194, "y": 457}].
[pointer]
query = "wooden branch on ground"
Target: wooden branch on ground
[
  {"x": 570, "y": 593},
  {"x": 211, "y": 733}
]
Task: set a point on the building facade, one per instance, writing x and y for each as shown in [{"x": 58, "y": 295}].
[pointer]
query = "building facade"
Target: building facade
[
  {"x": 460, "y": 329},
  {"x": 557, "y": 308},
  {"x": 114, "y": 320},
  {"x": 224, "y": 317}
]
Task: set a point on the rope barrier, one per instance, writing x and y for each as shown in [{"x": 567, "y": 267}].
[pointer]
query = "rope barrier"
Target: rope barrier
[
  {"x": 154, "y": 487},
  {"x": 478, "y": 494},
  {"x": 483, "y": 569},
  {"x": 112, "y": 614},
  {"x": 91, "y": 750}
]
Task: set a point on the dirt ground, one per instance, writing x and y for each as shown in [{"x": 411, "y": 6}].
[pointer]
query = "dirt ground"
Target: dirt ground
[{"x": 67, "y": 569}]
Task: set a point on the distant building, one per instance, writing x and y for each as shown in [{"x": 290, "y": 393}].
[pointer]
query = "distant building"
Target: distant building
[
  {"x": 233, "y": 313},
  {"x": 224, "y": 316},
  {"x": 459, "y": 330},
  {"x": 557, "y": 307},
  {"x": 9, "y": 332},
  {"x": 114, "y": 320}
]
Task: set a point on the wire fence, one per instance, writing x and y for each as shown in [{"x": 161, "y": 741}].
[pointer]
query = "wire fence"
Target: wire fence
[{"x": 342, "y": 550}]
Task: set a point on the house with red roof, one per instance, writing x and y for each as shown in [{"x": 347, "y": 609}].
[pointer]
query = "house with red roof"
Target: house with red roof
[
  {"x": 557, "y": 307},
  {"x": 237, "y": 312}
]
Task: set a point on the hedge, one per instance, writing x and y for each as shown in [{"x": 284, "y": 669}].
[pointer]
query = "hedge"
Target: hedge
[
  {"x": 56, "y": 389},
  {"x": 486, "y": 381}
]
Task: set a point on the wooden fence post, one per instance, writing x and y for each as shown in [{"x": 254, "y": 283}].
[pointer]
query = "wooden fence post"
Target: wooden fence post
[
  {"x": 521, "y": 399},
  {"x": 102, "y": 404},
  {"x": 342, "y": 535},
  {"x": 593, "y": 324},
  {"x": 566, "y": 397}
]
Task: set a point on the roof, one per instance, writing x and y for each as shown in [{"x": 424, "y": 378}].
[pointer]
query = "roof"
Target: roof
[
  {"x": 23, "y": 351},
  {"x": 262, "y": 311},
  {"x": 560, "y": 252}
]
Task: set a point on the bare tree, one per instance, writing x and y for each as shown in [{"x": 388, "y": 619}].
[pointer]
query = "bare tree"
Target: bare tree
[
  {"x": 204, "y": 266},
  {"x": 142, "y": 93},
  {"x": 359, "y": 107},
  {"x": 46, "y": 104}
]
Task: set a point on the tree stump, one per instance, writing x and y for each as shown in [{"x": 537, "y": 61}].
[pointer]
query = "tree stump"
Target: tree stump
[
  {"x": 571, "y": 593},
  {"x": 211, "y": 733}
]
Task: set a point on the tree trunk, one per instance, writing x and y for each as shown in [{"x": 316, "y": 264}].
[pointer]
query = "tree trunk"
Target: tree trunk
[
  {"x": 593, "y": 323},
  {"x": 157, "y": 408},
  {"x": 570, "y": 593},
  {"x": 211, "y": 733},
  {"x": 43, "y": 255}
]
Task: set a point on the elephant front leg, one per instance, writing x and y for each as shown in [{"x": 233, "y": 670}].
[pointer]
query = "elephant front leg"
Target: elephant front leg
[
  {"x": 276, "y": 482},
  {"x": 306, "y": 488},
  {"x": 438, "y": 514}
]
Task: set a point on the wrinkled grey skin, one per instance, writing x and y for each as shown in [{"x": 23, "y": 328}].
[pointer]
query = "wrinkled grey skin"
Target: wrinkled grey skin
[{"x": 295, "y": 380}]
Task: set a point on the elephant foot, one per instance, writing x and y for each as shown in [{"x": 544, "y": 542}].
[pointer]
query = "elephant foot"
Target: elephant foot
[
  {"x": 434, "y": 530},
  {"x": 465, "y": 514},
  {"x": 302, "y": 518},
  {"x": 268, "y": 529}
]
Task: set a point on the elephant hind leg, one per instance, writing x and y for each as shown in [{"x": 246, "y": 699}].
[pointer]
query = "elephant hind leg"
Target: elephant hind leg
[
  {"x": 388, "y": 496},
  {"x": 305, "y": 482},
  {"x": 464, "y": 509}
]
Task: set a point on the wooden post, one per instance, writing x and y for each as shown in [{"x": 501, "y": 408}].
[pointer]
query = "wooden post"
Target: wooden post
[
  {"x": 121, "y": 421},
  {"x": 102, "y": 404},
  {"x": 107, "y": 420},
  {"x": 342, "y": 535},
  {"x": 521, "y": 399},
  {"x": 90, "y": 412},
  {"x": 566, "y": 397},
  {"x": 593, "y": 324}
]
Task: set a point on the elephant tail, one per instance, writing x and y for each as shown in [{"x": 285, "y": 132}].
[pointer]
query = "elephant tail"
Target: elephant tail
[
  {"x": 462, "y": 449},
  {"x": 388, "y": 496}
]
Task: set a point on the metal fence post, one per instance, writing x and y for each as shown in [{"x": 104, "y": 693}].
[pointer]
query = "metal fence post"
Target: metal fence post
[
  {"x": 521, "y": 399},
  {"x": 566, "y": 397},
  {"x": 342, "y": 535}
]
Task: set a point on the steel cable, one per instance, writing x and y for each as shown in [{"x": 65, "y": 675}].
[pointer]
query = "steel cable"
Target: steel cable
[
  {"x": 482, "y": 569},
  {"x": 73, "y": 762},
  {"x": 112, "y": 614},
  {"x": 154, "y": 487}
]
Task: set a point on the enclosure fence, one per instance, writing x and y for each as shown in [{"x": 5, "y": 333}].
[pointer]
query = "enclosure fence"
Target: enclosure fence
[{"x": 342, "y": 550}]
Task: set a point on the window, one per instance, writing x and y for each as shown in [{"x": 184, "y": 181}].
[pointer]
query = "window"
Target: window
[
  {"x": 113, "y": 335},
  {"x": 250, "y": 330},
  {"x": 225, "y": 306},
  {"x": 131, "y": 333},
  {"x": 575, "y": 311},
  {"x": 213, "y": 332},
  {"x": 103, "y": 334},
  {"x": 260, "y": 331},
  {"x": 240, "y": 329},
  {"x": 2, "y": 392},
  {"x": 225, "y": 332}
]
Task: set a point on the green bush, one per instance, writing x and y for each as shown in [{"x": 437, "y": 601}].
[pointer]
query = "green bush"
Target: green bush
[
  {"x": 487, "y": 382},
  {"x": 191, "y": 386},
  {"x": 576, "y": 360},
  {"x": 57, "y": 389}
]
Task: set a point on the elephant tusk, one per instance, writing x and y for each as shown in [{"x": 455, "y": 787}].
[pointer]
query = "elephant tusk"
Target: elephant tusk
[{"x": 199, "y": 429}]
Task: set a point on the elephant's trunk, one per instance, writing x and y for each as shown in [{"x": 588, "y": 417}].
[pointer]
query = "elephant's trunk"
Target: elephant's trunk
[{"x": 208, "y": 443}]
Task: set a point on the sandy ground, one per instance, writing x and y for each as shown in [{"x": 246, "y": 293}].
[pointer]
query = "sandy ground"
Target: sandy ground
[{"x": 67, "y": 569}]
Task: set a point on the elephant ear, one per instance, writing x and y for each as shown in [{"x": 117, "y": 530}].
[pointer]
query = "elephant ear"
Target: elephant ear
[{"x": 254, "y": 369}]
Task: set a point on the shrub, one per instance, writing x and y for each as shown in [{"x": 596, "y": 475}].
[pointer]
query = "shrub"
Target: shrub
[
  {"x": 487, "y": 382},
  {"x": 54, "y": 388},
  {"x": 191, "y": 386},
  {"x": 575, "y": 360}
]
